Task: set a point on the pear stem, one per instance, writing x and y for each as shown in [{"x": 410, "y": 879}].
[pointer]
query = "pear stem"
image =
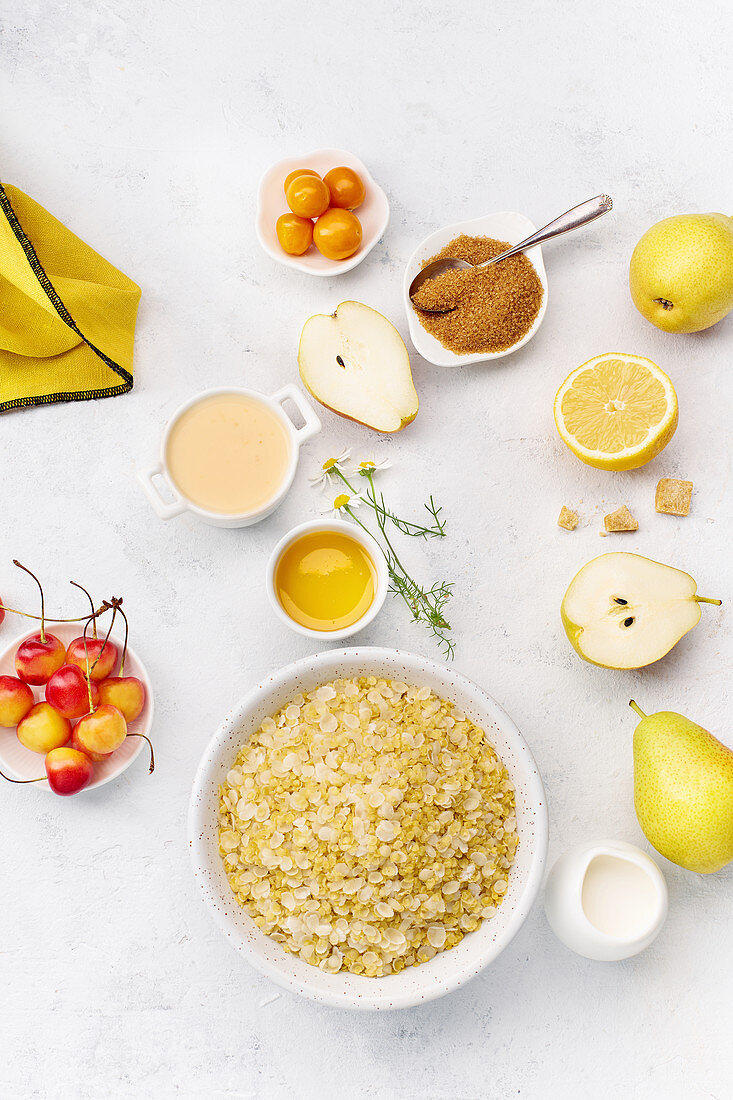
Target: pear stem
[
  {"x": 706, "y": 599},
  {"x": 637, "y": 708}
]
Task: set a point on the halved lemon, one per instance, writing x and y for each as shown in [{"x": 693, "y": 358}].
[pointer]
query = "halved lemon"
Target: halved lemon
[{"x": 617, "y": 411}]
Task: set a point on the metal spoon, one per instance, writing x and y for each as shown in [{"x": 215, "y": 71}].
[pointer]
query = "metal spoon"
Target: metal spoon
[{"x": 572, "y": 219}]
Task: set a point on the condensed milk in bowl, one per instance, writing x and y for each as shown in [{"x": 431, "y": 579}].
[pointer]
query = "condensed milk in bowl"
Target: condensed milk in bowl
[{"x": 229, "y": 455}]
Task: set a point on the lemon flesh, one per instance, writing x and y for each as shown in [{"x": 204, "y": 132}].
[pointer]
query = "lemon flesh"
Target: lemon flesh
[{"x": 617, "y": 411}]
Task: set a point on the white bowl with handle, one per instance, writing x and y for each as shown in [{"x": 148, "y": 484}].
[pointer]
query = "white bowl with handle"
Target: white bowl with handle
[
  {"x": 447, "y": 970},
  {"x": 176, "y": 502}
]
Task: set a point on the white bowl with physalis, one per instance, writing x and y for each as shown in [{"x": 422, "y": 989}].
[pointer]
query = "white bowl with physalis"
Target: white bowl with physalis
[
  {"x": 372, "y": 212},
  {"x": 382, "y": 836}
]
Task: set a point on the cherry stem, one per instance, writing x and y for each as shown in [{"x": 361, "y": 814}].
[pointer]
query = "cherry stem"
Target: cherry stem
[
  {"x": 706, "y": 599},
  {"x": 11, "y": 780},
  {"x": 151, "y": 769},
  {"x": 91, "y": 603},
  {"x": 124, "y": 647},
  {"x": 43, "y": 601},
  {"x": 48, "y": 619},
  {"x": 88, "y": 673},
  {"x": 114, "y": 605},
  {"x": 637, "y": 708}
]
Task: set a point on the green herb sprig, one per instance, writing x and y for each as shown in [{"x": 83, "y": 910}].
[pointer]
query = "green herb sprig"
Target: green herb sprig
[{"x": 426, "y": 605}]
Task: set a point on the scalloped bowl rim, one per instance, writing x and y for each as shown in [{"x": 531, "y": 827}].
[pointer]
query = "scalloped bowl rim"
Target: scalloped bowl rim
[
  {"x": 446, "y": 971},
  {"x": 424, "y": 343},
  {"x": 298, "y": 263}
]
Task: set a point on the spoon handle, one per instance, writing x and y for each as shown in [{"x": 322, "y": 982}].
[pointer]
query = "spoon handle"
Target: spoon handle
[{"x": 588, "y": 211}]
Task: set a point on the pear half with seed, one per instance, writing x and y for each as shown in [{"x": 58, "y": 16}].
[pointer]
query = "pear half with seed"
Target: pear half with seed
[
  {"x": 627, "y": 611},
  {"x": 355, "y": 363}
]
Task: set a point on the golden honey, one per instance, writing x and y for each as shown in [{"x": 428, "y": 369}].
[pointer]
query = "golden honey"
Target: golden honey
[{"x": 325, "y": 580}]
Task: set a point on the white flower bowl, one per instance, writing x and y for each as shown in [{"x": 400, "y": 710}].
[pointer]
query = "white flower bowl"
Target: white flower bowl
[
  {"x": 506, "y": 226},
  {"x": 449, "y": 969},
  {"x": 373, "y": 212}
]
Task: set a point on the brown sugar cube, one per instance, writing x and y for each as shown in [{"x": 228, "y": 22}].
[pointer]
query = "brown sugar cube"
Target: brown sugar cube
[
  {"x": 567, "y": 519},
  {"x": 673, "y": 496},
  {"x": 620, "y": 520}
]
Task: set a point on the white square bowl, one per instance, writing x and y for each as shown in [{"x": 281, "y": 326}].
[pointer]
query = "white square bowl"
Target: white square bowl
[
  {"x": 373, "y": 212},
  {"x": 506, "y": 226}
]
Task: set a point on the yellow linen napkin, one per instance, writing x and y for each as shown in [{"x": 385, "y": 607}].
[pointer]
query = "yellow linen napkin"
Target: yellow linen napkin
[{"x": 67, "y": 316}]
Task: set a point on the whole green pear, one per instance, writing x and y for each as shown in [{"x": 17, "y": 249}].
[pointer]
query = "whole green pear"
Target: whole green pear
[
  {"x": 681, "y": 273},
  {"x": 683, "y": 790}
]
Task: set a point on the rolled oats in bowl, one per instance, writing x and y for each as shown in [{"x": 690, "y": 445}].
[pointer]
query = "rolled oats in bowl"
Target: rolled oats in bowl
[{"x": 367, "y": 826}]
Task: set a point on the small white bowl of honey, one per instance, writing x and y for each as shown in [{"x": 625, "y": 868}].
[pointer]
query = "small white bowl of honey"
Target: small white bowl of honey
[
  {"x": 229, "y": 455},
  {"x": 327, "y": 579}
]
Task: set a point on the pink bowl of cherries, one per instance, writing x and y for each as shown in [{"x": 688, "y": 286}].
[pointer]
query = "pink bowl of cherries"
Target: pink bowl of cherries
[{"x": 75, "y": 701}]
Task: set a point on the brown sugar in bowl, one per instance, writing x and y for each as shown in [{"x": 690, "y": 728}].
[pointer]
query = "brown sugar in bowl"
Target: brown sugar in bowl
[{"x": 506, "y": 226}]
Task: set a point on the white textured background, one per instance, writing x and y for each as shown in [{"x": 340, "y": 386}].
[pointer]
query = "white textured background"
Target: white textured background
[{"x": 145, "y": 127}]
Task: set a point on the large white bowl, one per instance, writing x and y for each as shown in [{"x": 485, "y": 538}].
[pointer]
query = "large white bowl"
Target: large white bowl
[
  {"x": 505, "y": 226},
  {"x": 24, "y": 764},
  {"x": 373, "y": 212},
  {"x": 449, "y": 969}
]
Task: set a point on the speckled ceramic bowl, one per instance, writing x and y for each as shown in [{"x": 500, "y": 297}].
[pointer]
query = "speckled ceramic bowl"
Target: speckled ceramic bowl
[
  {"x": 447, "y": 970},
  {"x": 373, "y": 212}
]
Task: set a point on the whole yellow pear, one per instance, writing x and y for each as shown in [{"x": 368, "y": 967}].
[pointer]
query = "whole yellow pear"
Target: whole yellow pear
[
  {"x": 681, "y": 272},
  {"x": 683, "y": 790}
]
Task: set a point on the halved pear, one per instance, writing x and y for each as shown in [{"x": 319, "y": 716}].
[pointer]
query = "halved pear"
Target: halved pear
[
  {"x": 356, "y": 364},
  {"x": 627, "y": 611}
]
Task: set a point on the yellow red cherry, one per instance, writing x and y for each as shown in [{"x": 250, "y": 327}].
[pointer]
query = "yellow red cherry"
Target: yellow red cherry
[
  {"x": 127, "y": 693},
  {"x": 101, "y": 655},
  {"x": 16, "y": 699},
  {"x": 75, "y": 743},
  {"x": 68, "y": 770},
  {"x": 102, "y": 731},
  {"x": 68, "y": 691},
  {"x": 38, "y": 657},
  {"x": 43, "y": 729}
]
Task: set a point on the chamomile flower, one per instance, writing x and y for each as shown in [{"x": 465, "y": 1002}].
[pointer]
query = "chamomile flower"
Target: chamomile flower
[
  {"x": 330, "y": 466},
  {"x": 425, "y": 604},
  {"x": 366, "y": 468},
  {"x": 345, "y": 501}
]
